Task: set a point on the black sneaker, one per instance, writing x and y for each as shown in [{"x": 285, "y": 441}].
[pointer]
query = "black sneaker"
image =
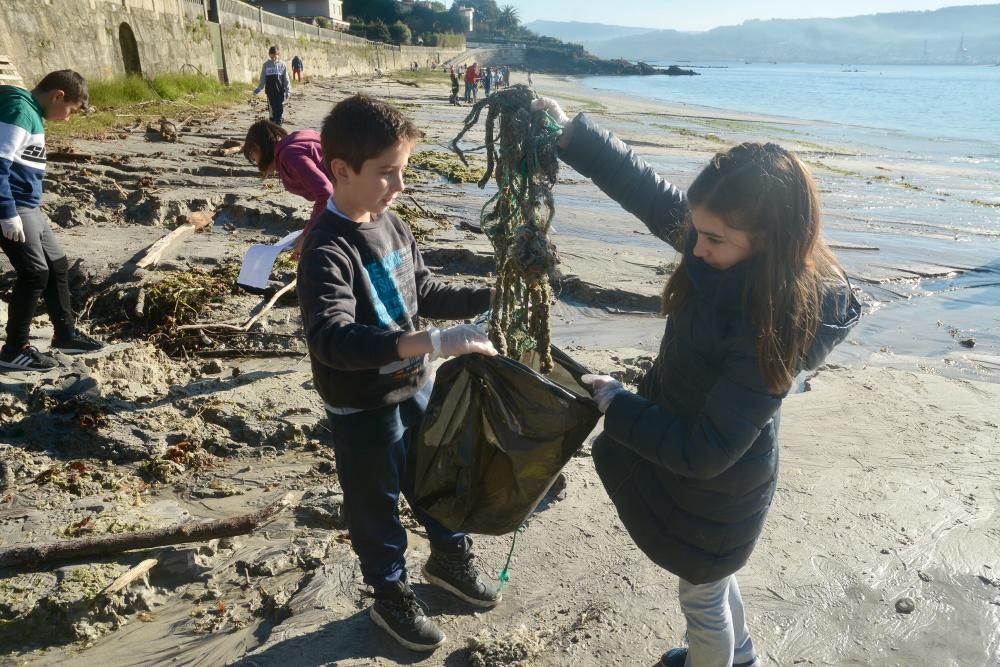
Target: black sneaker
[
  {"x": 78, "y": 343},
  {"x": 398, "y": 612},
  {"x": 677, "y": 657},
  {"x": 453, "y": 571},
  {"x": 26, "y": 359}
]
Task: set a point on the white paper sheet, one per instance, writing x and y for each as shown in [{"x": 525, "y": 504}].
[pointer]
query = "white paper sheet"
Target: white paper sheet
[{"x": 259, "y": 261}]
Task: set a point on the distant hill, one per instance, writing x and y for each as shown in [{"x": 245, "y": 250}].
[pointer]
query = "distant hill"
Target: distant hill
[
  {"x": 969, "y": 34},
  {"x": 578, "y": 32}
]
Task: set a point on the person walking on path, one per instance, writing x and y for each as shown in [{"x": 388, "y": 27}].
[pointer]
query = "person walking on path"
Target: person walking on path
[
  {"x": 27, "y": 239},
  {"x": 690, "y": 461},
  {"x": 275, "y": 84},
  {"x": 297, "y": 67}
]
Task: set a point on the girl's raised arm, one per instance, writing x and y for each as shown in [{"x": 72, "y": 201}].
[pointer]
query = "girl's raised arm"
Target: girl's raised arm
[{"x": 626, "y": 178}]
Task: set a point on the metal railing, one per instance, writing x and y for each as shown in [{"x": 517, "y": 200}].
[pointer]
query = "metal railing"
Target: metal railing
[
  {"x": 194, "y": 9},
  {"x": 234, "y": 12},
  {"x": 246, "y": 15}
]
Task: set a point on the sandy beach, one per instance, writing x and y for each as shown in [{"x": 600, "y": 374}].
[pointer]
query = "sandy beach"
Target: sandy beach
[{"x": 887, "y": 489}]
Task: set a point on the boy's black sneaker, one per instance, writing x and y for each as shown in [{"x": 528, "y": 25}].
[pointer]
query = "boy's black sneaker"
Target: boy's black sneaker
[
  {"x": 677, "y": 657},
  {"x": 78, "y": 343},
  {"x": 452, "y": 570},
  {"x": 26, "y": 359},
  {"x": 398, "y": 612}
]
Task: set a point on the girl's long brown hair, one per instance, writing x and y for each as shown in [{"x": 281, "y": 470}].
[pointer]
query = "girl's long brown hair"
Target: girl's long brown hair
[
  {"x": 767, "y": 192},
  {"x": 264, "y": 136}
]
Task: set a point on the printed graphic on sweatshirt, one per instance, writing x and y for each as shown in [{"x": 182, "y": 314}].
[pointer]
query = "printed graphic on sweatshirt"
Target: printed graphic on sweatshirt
[
  {"x": 35, "y": 154},
  {"x": 390, "y": 290}
]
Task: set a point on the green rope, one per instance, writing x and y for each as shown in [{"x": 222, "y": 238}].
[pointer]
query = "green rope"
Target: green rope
[
  {"x": 504, "y": 575},
  {"x": 521, "y": 157}
]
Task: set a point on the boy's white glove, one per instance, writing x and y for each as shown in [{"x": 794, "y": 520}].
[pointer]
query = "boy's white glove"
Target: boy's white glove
[
  {"x": 458, "y": 340},
  {"x": 551, "y": 107},
  {"x": 603, "y": 388},
  {"x": 13, "y": 229}
]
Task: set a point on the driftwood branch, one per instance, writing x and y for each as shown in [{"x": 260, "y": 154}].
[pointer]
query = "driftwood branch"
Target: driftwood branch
[
  {"x": 123, "y": 581},
  {"x": 246, "y": 326},
  {"x": 189, "y": 531},
  {"x": 194, "y": 222}
]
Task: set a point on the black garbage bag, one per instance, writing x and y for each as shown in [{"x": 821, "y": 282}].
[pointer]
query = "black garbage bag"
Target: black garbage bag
[{"x": 494, "y": 438}]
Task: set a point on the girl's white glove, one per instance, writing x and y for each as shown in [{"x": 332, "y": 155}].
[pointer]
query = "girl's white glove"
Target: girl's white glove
[
  {"x": 604, "y": 388},
  {"x": 13, "y": 229},
  {"x": 458, "y": 340},
  {"x": 551, "y": 107}
]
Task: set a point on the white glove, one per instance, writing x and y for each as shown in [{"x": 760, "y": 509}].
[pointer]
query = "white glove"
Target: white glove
[
  {"x": 551, "y": 107},
  {"x": 604, "y": 388},
  {"x": 458, "y": 340},
  {"x": 13, "y": 229}
]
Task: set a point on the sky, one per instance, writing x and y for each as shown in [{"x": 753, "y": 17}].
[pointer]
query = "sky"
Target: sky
[{"x": 708, "y": 14}]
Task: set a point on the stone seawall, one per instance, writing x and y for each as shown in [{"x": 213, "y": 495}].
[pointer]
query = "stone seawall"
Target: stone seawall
[
  {"x": 105, "y": 38},
  {"x": 101, "y": 38}
]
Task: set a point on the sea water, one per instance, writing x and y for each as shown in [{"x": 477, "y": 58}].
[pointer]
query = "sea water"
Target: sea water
[{"x": 935, "y": 279}]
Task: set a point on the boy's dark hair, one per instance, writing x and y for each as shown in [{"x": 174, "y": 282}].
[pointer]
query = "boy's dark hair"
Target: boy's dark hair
[
  {"x": 73, "y": 85},
  {"x": 271, "y": 51},
  {"x": 263, "y": 135},
  {"x": 360, "y": 128}
]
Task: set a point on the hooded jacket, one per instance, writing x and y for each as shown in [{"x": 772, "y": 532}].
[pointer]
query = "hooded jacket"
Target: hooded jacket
[
  {"x": 299, "y": 161},
  {"x": 691, "y": 460},
  {"x": 22, "y": 151}
]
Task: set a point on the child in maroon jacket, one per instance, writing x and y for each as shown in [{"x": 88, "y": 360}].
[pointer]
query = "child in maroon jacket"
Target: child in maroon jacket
[{"x": 298, "y": 159}]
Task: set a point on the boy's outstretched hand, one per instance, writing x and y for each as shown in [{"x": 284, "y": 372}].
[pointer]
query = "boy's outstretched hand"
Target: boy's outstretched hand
[
  {"x": 461, "y": 339},
  {"x": 604, "y": 388}
]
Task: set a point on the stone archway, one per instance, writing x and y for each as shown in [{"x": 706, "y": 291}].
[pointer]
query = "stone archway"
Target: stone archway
[{"x": 130, "y": 50}]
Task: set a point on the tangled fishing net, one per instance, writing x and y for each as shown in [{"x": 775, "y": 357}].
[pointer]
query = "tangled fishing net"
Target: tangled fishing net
[{"x": 521, "y": 155}]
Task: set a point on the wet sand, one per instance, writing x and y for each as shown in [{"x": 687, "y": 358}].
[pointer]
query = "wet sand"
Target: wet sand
[{"x": 887, "y": 487}]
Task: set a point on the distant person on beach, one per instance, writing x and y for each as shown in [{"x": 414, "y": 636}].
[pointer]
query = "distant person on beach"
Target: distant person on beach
[
  {"x": 275, "y": 84},
  {"x": 297, "y": 67},
  {"x": 690, "y": 461},
  {"x": 40, "y": 263},
  {"x": 454, "y": 86},
  {"x": 487, "y": 81},
  {"x": 298, "y": 160},
  {"x": 529, "y": 78},
  {"x": 361, "y": 285},
  {"x": 471, "y": 75}
]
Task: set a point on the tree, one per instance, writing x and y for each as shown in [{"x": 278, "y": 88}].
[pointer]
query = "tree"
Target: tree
[
  {"x": 399, "y": 33},
  {"x": 509, "y": 20},
  {"x": 385, "y": 10},
  {"x": 378, "y": 31},
  {"x": 359, "y": 28}
]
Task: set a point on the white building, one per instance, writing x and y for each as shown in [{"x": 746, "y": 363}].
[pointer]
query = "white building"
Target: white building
[
  {"x": 468, "y": 13},
  {"x": 333, "y": 10}
]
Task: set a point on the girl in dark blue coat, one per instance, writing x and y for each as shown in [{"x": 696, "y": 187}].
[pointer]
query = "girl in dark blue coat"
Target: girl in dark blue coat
[{"x": 690, "y": 461}]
